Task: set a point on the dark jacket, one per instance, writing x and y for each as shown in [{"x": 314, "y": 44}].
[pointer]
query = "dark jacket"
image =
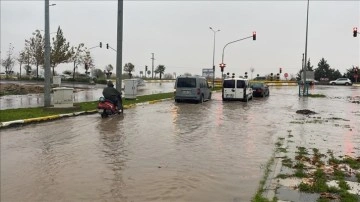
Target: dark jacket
[{"x": 111, "y": 93}]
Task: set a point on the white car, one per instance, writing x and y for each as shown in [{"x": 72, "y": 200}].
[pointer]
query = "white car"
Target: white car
[{"x": 341, "y": 81}]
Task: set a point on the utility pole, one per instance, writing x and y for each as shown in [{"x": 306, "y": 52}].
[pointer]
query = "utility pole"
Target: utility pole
[
  {"x": 119, "y": 45},
  {"x": 306, "y": 41},
  {"x": 47, "y": 98},
  {"x": 152, "y": 75}
]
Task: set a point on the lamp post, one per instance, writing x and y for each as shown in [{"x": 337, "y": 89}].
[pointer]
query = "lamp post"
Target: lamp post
[
  {"x": 213, "y": 81},
  {"x": 47, "y": 98},
  {"x": 306, "y": 41}
]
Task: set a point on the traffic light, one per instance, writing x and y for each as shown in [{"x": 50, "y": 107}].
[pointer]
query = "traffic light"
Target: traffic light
[
  {"x": 145, "y": 68},
  {"x": 100, "y": 45},
  {"x": 355, "y": 32},
  {"x": 254, "y": 36},
  {"x": 246, "y": 76},
  {"x": 107, "y": 46},
  {"x": 222, "y": 66},
  {"x": 280, "y": 70}
]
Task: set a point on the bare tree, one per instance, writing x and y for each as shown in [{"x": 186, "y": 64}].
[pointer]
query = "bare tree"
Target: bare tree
[
  {"x": 9, "y": 62},
  {"x": 77, "y": 57},
  {"x": 88, "y": 62},
  {"x": 35, "y": 48},
  {"x": 252, "y": 71},
  {"x": 21, "y": 59}
]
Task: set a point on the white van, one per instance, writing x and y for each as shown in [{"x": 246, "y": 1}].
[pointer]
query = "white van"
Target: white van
[{"x": 236, "y": 89}]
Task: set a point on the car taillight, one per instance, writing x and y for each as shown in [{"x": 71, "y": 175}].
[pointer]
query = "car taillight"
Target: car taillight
[{"x": 198, "y": 91}]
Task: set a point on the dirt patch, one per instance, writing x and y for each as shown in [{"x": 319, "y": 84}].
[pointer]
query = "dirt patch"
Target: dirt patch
[
  {"x": 305, "y": 111},
  {"x": 17, "y": 89}
]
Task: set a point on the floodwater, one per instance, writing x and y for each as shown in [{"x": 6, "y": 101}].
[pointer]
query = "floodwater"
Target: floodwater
[
  {"x": 215, "y": 151},
  {"x": 83, "y": 93}
]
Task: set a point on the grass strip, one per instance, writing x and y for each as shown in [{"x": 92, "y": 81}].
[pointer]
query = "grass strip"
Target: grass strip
[{"x": 27, "y": 113}]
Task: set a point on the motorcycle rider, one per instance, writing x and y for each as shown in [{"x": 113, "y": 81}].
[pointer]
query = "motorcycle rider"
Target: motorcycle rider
[{"x": 113, "y": 95}]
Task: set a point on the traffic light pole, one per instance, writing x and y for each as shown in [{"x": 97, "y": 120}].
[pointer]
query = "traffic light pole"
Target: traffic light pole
[{"x": 222, "y": 59}]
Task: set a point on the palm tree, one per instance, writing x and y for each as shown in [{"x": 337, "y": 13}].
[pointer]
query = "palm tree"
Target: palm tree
[
  {"x": 160, "y": 69},
  {"x": 128, "y": 67}
]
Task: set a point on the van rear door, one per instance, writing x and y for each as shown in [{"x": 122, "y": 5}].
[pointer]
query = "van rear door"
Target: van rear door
[
  {"x": 240, "y": 88},
  {"x": 229, "y": 89}
]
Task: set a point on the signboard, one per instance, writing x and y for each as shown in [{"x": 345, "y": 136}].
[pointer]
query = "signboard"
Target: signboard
[
  {"x": 309, "y": 75},
  {"x": 208, "y": 73}
]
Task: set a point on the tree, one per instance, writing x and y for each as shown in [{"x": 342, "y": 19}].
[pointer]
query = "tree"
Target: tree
[
  {"x": 77, "y": 57},
  {"x": 350, "y": 74},
  {"x": 187, "y": 74},
  {"x": 21, "y": 59},
  {"x": 108, "y": 70},
  {"x": 128, "y": 67},
  {"x": 28, "y": 69},
  {"x": 9, "y": 62},
  {"x": 160, "y": 69},
  {"x": 168, "y": 76},
  {"x": 98, "y": 73},
  {"x": 324, "y": 71},
  {"x": 308, "y": 67},
  {"x": 252, "y": 71},
  {"x": 60, "y": 50},
  {"x": 35, "y": 47},
  {"x": 88, "y": 62}
]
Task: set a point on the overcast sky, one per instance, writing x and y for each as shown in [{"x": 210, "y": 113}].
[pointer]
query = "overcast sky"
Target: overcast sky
[{"x": 178, "y": 33}]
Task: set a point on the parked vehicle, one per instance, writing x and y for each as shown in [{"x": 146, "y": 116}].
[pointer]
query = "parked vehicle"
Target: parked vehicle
[
  {"x": 341, "y": 81},
  {"x": 192, "y": 88},
  {"x": 236, "y": 89},
  {"x": 107, "y": 108},
  {"x": 260, "y": 89}
]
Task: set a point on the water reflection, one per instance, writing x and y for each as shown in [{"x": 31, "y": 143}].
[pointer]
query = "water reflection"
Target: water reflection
[{"x": 115, "y": 153}]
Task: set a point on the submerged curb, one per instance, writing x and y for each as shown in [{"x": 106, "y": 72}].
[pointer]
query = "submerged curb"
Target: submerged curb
[{"x": 59, "y": 116}]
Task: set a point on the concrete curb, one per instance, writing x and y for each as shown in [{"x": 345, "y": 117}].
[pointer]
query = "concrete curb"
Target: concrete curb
[{"x": 59, "y": 116}]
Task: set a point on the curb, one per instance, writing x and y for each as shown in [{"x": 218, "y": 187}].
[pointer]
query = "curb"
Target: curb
[{"x": 59, "y": 116}]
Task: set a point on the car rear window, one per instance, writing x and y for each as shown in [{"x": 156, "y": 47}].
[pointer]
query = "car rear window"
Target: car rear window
[
  {"x": 257, "y": 85},
  {"x": 186, "y": 83},
  {"x": 229, "y": 84}
]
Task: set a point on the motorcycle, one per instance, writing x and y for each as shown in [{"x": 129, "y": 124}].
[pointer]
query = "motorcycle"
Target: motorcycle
[{"x": 108, "y": 108}]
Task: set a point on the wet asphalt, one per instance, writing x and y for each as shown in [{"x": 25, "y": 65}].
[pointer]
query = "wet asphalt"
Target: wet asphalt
[{"x": 215, "y": 151}]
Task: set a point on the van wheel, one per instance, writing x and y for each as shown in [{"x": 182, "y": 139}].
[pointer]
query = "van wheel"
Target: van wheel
[{"x": 201, "y": 99}]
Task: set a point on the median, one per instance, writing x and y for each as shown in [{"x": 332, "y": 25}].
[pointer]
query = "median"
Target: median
[{"x": 12, "y": 117}]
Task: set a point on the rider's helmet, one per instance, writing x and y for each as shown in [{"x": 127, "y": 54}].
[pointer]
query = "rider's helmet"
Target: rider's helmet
[{"x": 110, "y": 84}]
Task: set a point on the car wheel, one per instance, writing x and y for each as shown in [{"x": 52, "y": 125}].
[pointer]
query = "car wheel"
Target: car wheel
[
  {"x": 201, "y": 99},
  {"x": 263, "y": 94},
  {"x": 346, "y": 84},
  {"x": 332, "y": 83}
]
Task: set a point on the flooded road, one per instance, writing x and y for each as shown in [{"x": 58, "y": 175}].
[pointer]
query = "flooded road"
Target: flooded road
[{"x": 215, "y": 151}]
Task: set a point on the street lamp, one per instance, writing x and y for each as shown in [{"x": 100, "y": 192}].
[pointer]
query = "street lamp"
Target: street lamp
[{"x": 213, "y": 81}]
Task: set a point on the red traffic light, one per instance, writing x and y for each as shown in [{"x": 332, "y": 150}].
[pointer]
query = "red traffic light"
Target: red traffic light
[
  {"x": 222, "y": 66},
  {"x": 355, "y": 32},
  {"x": 254, "y": 36}
]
